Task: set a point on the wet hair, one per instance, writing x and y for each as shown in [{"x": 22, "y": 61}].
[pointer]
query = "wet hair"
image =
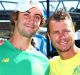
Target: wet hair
[
  {"x": 14, "y": 17},
  {"x": 58, "y": 16}
]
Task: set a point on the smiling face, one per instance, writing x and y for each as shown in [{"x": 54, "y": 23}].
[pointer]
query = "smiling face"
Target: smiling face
[
  {"x": 28, "y": 22},
  {"x": 62, "y": 34}
]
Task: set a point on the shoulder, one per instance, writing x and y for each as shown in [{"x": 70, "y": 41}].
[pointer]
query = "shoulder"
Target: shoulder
[
  {"x": 3, "y": 42},
  {"x": 54, "y": 59},
  {"x": 37, "y": 53},
  {"x": 3, "y": 46}
]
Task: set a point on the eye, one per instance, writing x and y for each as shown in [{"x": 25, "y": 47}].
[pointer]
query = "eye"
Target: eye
[
  {"x": 37, "y": 17},
  {"x": 55, "y": 32},
  {"x": 26, "y": 14},
  {"x": 66, "y": 31}
]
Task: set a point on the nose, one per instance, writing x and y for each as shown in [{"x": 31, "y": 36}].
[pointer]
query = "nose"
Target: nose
[
  {"x": 61, "y": 35},
  {"x": 31, "y": 18}
]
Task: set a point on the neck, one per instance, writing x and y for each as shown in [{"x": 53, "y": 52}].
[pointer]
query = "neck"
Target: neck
[
  {"x": 69, "y": 54},
  {"x": 20, "y": 42}
]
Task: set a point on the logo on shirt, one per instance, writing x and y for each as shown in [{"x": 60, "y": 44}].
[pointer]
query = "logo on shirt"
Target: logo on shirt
[
  {"x": 5, "y": 60},
  {"x": 77, "y": 70}
]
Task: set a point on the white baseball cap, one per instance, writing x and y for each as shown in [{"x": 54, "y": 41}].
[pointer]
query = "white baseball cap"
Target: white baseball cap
[{"x": 25, "y": 5}]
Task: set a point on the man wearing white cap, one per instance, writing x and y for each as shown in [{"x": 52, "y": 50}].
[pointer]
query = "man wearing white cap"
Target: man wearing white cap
[{"x": 17, "y": 55}]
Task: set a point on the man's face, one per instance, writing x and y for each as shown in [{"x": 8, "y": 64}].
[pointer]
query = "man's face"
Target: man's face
[
  {"x": 28, "y": 22},
  {"x": 62, "y": 35}
]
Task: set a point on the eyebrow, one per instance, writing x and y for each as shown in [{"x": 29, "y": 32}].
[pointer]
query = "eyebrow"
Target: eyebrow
[{"x": 35, "y": 14}]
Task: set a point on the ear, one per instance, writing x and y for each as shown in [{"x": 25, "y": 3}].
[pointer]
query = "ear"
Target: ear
[
  {"x": 14, "y": 16},
  {"x": 42, "y": 22}
]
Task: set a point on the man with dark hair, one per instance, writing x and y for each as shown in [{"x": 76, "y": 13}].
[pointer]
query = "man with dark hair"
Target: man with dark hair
[
  {"x": 17, "y": 55},
  {"x": 61, "y": 32}
]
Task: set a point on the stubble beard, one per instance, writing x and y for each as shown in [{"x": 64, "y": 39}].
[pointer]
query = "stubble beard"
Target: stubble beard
[{"x": 64, "y": 49}]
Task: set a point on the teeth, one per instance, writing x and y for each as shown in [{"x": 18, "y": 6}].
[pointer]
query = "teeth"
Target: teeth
[{"x": 63, "y": 42}]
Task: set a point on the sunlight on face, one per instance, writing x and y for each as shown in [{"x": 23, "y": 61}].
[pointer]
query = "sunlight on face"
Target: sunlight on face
[
  {"x": 28, "y": 22},
  {"x": 62, "y": 34}
]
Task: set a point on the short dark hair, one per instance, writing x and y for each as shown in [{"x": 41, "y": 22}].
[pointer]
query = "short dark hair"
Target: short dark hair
[{"x": 57, "y": 16}]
